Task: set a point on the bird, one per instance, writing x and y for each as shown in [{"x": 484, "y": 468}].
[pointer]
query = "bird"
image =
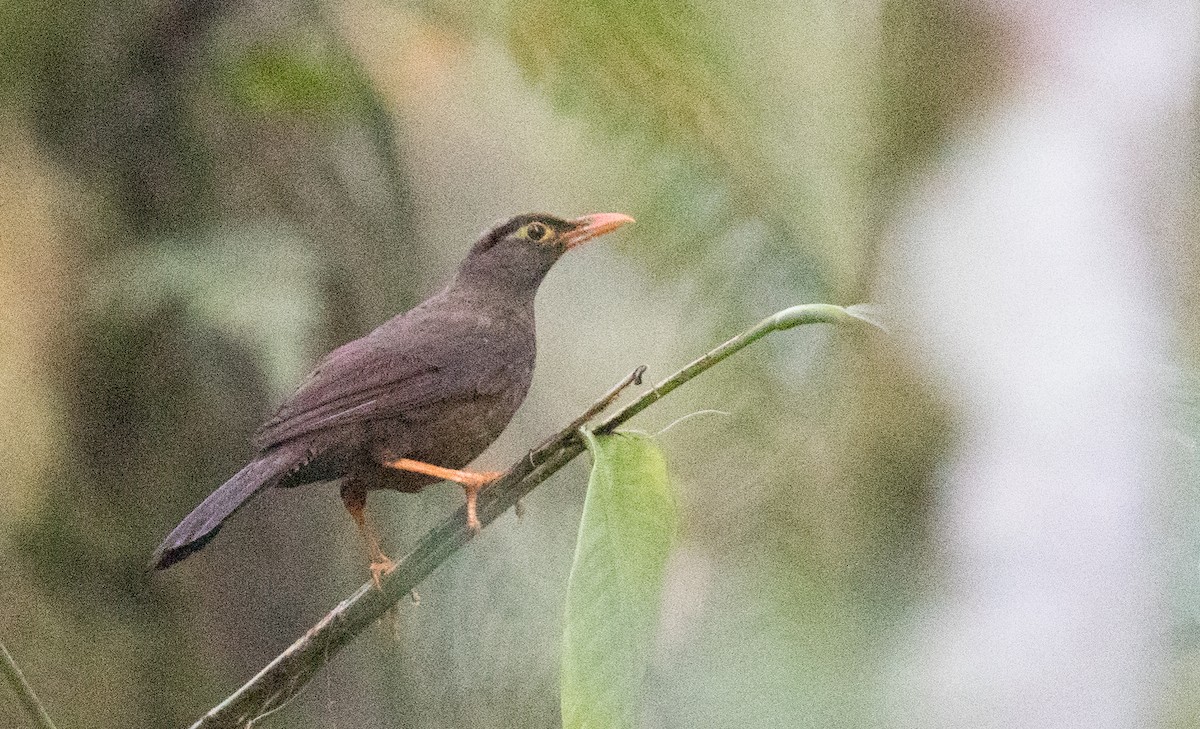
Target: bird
[{"x": 415, "y": 400}]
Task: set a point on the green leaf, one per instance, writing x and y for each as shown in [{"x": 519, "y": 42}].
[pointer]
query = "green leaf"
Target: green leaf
[{"x": 629, "y": 522}]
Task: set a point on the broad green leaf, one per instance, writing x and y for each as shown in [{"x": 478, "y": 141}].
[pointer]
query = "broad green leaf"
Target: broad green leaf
[{"x": 629, "y": 522}]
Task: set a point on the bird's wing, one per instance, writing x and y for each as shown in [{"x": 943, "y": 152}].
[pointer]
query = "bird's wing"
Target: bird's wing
[{"x": 403, "y": 365}]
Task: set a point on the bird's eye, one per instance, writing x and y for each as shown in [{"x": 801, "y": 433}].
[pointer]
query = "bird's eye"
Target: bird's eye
[{"x": 534, "y": 232}]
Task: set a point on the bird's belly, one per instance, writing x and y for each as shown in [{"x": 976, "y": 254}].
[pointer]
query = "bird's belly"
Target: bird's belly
[{"x": 447, "y": 436}]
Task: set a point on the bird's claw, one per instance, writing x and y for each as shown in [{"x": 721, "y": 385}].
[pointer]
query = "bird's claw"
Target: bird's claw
[{"x": 380, "y": 567}]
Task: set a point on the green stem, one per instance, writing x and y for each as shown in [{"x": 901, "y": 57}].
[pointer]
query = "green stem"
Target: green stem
[
  {"x": 283, "y": 677},
  {"x": 28, "y": 698},
  {"x": 786, "y": 319}
]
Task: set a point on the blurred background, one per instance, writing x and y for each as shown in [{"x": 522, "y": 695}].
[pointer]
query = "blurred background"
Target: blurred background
[{"x": 987, "y": 517}]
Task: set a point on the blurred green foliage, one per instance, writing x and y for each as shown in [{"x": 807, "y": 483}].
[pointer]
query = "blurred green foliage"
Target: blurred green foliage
[
  {"x": 756, "y": 125},
  {"x": 31, "y": 30},
  {"x": 179, "y": 330},
  {"x": 659, "y": 70},
  {"x": 261, "y": 286},
  {"x": 294, "y": 78},
  {"x": 242, "y": 194},
  {"x": 921, "y": 94}
]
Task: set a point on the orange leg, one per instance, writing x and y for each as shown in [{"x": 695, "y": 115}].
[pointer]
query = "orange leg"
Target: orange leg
[
  {"x": 356, "y": 503},
  {"x": 471, "y": 482}
]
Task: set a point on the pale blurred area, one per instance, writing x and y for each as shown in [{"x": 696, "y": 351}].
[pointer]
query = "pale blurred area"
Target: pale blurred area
[{"x": 986, "y": 517}]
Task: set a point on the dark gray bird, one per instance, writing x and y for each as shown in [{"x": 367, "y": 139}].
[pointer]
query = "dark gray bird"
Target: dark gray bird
[{"x": 417, "y": 398}]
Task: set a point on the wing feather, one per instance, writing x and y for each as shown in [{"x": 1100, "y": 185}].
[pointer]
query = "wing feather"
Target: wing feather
[{"x": 414, "y": 360}]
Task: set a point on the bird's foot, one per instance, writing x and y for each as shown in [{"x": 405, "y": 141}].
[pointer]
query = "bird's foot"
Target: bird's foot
[
  {"x": 356, "y": 503},
  {"x": 381, "y": 565},
  {"x": 479, "y": 480},
  {"x": 471, "y": 482}
]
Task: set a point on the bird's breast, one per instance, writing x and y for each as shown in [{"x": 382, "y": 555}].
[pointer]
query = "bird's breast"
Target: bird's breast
[{"x": 490, "y": 380}]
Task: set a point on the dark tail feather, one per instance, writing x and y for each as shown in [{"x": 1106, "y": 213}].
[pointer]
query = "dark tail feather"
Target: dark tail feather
[{"x": 200, "y": 526}]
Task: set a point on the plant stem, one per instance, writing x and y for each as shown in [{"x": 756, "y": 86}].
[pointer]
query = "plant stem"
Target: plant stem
[
  {"x": 29, "y": 699},
  {"x": 284, "y": 676},
  {"x": 786, "y": 319}
]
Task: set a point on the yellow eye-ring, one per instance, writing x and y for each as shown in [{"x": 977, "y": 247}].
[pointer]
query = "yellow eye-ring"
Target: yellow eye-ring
[{"x": 533, "y": 231}]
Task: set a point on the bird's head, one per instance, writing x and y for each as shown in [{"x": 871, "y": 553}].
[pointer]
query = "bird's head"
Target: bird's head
[{"x": 516, "y": 254}]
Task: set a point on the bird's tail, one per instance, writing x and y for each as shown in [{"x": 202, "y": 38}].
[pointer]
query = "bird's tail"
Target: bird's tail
[{"x": 200, "y": 526}]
